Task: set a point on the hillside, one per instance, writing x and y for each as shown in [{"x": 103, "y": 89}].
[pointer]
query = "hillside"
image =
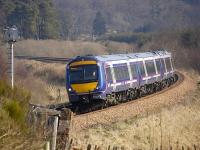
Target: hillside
[
  {"x": 132, "y": 15},
  {"x": 67, "y": 19}
]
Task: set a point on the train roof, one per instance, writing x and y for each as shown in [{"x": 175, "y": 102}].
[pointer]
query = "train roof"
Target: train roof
[
  {"x": 131, "y": 56},
  {"x": 115, "y": 57}
]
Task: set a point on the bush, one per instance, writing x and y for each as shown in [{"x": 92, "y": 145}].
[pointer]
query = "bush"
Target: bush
[
  {"x": 5, "y": 89},
  {"x": 19, "y": 94},
  {"x": 14, "y": 101},
  {"x": 189, "y": 39},
  {"x": 15, "y": 111},
  {"x": 137, "y": 38},
  {"x": 124, "y": 37}
]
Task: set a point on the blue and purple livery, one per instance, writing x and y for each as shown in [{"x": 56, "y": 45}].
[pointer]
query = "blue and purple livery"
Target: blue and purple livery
[{"x": 113, "y": 77}]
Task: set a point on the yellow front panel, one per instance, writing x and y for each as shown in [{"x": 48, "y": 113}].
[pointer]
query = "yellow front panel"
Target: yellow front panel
[
  {"x": 85, "y": 87},
  {"x": 78, "y": 63}
]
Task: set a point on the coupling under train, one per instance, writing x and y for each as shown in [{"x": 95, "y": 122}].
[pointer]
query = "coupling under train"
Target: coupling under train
[{"x": 118, "y": 78}]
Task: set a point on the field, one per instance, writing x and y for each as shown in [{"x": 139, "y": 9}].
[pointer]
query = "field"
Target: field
[
  {"x": 68, "y": 49},
  {"x": 172, "y": 126}
]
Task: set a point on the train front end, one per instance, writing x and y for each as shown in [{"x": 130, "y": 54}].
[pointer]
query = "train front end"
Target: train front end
[{"x": 83, "y": 80}]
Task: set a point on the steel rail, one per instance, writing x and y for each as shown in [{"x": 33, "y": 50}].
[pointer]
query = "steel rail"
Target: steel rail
[{"x": 44, "y": 59}]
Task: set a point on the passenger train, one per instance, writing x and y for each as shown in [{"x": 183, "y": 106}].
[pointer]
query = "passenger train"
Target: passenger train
[{"x": 119, "y": 77}]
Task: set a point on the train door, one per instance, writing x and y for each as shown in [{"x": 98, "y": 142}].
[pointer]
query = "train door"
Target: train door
[{"x": 109, "y": 77}]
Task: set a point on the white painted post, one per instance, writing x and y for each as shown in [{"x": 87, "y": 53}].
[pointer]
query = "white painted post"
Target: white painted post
[
  {"x": 11, "y": 36},
  {"x": 12, "y": 64},
  {"x": 55, "y": 128}
]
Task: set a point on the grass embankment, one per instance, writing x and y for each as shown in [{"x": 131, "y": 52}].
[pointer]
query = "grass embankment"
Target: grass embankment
[
  {"x": 14, "y": 130},
  {"x": 47, "y": 81}
]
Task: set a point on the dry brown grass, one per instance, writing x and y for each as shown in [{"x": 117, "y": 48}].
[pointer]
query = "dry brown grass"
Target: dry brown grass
[
  {"x": 56, "y": 48},
  {"x": 45, "y": 81}
]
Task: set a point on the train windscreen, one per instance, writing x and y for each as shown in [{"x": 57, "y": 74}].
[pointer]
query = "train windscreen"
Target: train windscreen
[{"x": 83, "y": 74}]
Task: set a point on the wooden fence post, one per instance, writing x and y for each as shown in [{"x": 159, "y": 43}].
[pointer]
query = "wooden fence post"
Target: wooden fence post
[
  {"x": 55, "y": 127},
  {"x": 109, "y": 147},
  {"x": 182, "y": 147},
  {"x": 195, "y": 148},
  {"x": 47, "y": 145}
]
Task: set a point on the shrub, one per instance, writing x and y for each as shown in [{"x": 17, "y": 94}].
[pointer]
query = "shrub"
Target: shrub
[
  {"x": 14, "y": 101},
  {"x": 19, "y": 94},
  {"x": 5, "y": 89},
  {"x": 189, "y": 39},
  {"x": 15, "y": 111},
  {"x": 123, "y": 37},
  {"x": 137, "y": 38}
]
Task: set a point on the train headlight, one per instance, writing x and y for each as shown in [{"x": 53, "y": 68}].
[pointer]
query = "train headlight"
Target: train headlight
[{"x": 70, "y": 89}]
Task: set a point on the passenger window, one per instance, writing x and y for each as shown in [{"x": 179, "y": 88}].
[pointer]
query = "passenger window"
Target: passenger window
[
  {"x": 168, "y": 64},
  {"x": 158, "y": 65},
  {"x": 163, "y": 64},
  {"x": 150, "y": 67},
  {"x": 141, "y": 67},
  {"x": 133, "y": 70},
  {"x": 108, "y": 75},
  {"x": 121, "y": 72}
]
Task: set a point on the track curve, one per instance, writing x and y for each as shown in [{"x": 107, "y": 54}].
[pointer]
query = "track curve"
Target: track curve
[
  {"x": 132, "y": 108},
  {"x": 180, "y": 79}
]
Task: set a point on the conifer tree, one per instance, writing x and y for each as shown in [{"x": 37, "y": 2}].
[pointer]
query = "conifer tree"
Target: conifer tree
[{"x": 99, "y": 25}]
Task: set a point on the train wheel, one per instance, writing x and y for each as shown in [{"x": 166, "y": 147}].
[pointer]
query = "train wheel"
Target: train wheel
[
  {"x": 131, "y": 94},
  {"x": 118, "y": 97}
]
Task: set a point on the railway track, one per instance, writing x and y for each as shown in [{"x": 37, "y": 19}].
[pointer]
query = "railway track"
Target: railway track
[
  {"x": 44, "y": 59},
  {"x": 179, "y": 81}
]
